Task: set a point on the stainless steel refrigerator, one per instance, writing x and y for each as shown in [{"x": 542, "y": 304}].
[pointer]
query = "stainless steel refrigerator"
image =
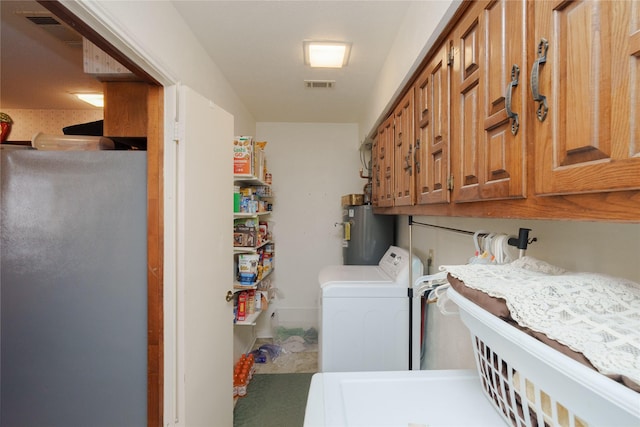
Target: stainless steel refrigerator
[
  {"x": 367, "y": 236},
  {"x": 73, "y": 288}
]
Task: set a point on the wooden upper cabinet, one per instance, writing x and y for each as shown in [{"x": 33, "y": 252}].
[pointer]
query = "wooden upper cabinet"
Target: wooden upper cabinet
[
  {"x": 432, "y": 96},
  {"x": 589, "y": 140},
  {"x": 376, "y": 180},
  {"x": 125, "y": 108},
  {"x": 521, "y": 101},
  {"x": 504, "y": 77},
  {"x": 385, "y": 161},
  {"x": 404, "y": 151},
  {"x": 489, "y": 81},
  {"x": 465, "y": 107}
]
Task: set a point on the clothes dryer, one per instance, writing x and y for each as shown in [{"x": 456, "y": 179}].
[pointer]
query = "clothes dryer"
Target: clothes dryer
[{"x": 364, "y": 315}]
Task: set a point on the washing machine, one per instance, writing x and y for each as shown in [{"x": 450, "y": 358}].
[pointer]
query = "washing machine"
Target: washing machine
[{"x": 364, "y": 315}]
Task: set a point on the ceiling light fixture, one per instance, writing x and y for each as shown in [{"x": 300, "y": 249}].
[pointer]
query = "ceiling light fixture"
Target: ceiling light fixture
[
  {"x": 326, "y": 54},
  {"x": 95, "y": 99}
]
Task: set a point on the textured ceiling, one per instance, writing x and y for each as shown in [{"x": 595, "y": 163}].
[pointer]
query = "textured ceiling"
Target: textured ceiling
[
  {"x": 37, "y": 70},
  {"x": 256, "y": 44}
]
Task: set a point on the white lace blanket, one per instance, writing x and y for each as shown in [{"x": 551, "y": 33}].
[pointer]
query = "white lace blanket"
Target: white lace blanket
[{"x": 594, "y": 314}]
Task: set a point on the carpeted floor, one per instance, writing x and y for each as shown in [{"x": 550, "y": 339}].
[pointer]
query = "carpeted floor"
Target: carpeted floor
[{"x": 273, "y": 400}]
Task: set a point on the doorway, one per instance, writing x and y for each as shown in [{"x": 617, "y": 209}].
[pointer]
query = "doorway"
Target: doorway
[{"x": 149, "y": 105}]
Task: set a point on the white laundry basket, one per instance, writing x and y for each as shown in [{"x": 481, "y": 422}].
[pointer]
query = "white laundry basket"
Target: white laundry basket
[{"x": 532, "y": 384}]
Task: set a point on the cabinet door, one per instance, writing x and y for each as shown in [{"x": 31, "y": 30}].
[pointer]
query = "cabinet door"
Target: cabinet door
[
  {"x": 432, "y": 97},
  {"x": 385, "y": 144},
  {"x": 489, "y": 149},
  {"x": 403, "y": 151},
  {"x": 465, "y": 106},
  {"x": 376, "y": 181},
  {"x": 590, "y": 138},
  {"x": 125, "y": 108}
]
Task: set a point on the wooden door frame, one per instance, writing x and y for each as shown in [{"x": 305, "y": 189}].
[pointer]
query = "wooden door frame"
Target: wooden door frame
[
  {"x": 155, "y": 211},
  {"x": 155, "y": 256}
]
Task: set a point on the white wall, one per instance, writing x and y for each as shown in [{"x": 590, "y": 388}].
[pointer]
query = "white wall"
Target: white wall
[
  {"x": 607, "y": 248},
  {"x": 154, "y": 35},
  {"x": 313, "y": 166},
  {"x": 423, "y": 23}
]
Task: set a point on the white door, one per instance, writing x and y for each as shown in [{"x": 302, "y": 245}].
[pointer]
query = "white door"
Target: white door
[{"x": 198, "y": 262}]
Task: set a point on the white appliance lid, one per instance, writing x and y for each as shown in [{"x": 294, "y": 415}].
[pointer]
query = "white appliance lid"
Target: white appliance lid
[
  {"x": 399, "y": 399},
  {"x": 388, "y": 279},
  {"x": 352, "y": 274}
]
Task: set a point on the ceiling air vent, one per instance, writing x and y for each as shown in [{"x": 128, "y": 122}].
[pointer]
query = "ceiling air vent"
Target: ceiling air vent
[
  {"x": 319, "y": 84},
  {"x": 56, "y": 28},
  {"x": 43, "y": 20}
]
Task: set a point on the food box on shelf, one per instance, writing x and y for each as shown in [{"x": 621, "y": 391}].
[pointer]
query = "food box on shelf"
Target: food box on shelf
[
  {"x": 258, "y": 162},
  {"x": 248, "y": 268},
  {"x": 243, "y": 158},
  {"x": 244, "y": 236},
  {"x": 267, "y": 258},
  {"x": 245, "y": 232},
  {"x": 249, "y": 157}
]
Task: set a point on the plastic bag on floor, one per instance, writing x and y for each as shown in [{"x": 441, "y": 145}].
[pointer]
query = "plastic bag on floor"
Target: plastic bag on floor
[
  {"x": 294, "y": 344},
  {"x": 270, "y": 350},
  {"x": 309, "y": 336}
]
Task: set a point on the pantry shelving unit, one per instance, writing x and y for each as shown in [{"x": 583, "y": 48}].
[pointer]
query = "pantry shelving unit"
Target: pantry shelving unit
[{"x": 250, "y": 319}]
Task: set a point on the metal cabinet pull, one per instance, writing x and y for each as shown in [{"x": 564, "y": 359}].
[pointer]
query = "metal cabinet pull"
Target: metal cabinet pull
[
  {"x": 543, "y": 108},
  {"x": 515, "y": 122},
  {"x": 407, "y": 165},
  {"x": 407, "y": 162},
  {"x": 416, "y": 161}
]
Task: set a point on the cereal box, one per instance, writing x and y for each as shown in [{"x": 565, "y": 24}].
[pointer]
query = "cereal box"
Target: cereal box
[{"x": 243, "y": 155}]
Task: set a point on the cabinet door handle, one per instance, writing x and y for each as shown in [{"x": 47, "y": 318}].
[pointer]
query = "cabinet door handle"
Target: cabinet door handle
[
  {"x": 416, "y": 161},
  {"x": 407, "y": 164},
  {"x": 515, "y": 121},
  {"x": 543, "y": 108},
  {"x": 407, "y": 161}
]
